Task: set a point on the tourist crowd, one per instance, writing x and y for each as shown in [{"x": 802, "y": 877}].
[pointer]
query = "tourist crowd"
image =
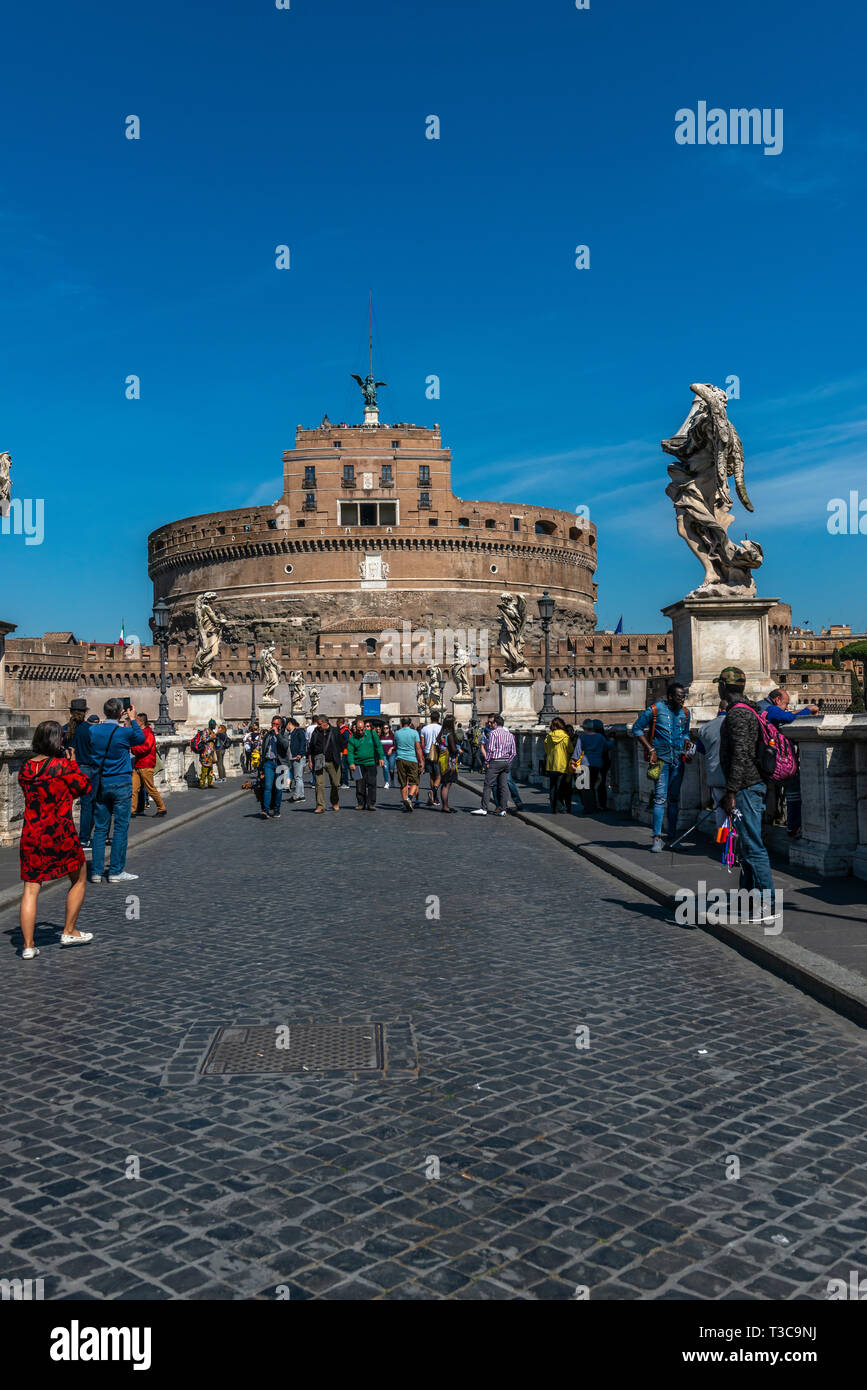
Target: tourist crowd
[{"x": 110, "y": 765}]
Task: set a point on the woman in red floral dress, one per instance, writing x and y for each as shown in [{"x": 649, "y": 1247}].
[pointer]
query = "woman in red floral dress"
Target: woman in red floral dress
[{"x": 50, "y": 847}]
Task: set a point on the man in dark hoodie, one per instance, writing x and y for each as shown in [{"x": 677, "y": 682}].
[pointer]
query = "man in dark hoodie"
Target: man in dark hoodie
[
  {"x": 298, "y": 754},
  {"x": 746, "y": 790}
]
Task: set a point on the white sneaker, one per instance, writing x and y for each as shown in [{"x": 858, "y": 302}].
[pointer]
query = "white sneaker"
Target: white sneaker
[
  {"x": 501, "y": 813},
  {"x": 96, "y": 878},
  {"x": 658, "y": 845},
  {"x": 29, "y": 952},
  {"x": 122, "y": 878},
  {"x": 480, "y": 812},
  {"x": 80, "y": 940}
]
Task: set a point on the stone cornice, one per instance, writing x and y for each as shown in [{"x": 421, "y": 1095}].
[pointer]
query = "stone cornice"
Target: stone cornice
[{"x": 205, "y": 552}]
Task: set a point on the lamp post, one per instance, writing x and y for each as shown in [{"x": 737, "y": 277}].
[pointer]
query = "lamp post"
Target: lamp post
[
  {"x": 159, "y": 625},
  {"x": 254, "y": 671},
  {"x": 546, "y": 613},
  {"x": 574, "y": 674}
]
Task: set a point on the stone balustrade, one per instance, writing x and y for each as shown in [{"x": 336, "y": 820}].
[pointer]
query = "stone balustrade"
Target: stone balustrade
[
  {"x": 178, "y": 774},
  {"x": 833, "y": 762}
]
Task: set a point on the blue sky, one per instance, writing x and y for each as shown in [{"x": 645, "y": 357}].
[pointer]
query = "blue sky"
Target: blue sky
[{"x": 306, "y": 126}]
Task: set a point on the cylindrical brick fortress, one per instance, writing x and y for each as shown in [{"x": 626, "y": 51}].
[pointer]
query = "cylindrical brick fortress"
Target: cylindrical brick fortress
[{"x": 368, "y": 535}]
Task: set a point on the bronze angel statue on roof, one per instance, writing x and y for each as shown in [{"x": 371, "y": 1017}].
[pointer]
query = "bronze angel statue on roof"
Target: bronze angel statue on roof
[
  {"x": 708, "y": 450},
  {"x": 369, "y": 387}
]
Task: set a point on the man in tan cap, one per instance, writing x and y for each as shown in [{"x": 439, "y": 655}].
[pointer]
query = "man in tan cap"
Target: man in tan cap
[{"x": 746, "y": 790}]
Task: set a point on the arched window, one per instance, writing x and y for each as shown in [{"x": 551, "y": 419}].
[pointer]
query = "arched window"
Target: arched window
[
  {"x": 490, "y": 524},
  {"x": 545, "y": 528}
]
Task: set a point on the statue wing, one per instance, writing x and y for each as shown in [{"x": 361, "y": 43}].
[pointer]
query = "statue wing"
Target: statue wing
[
  {"x": 380, "y": 383},
  {"x": 736, "y": 469},
  {"x": 356, "y": 378}
]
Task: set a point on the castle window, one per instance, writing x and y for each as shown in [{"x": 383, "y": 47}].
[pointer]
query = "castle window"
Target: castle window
[
  {"x": 433, "y": 521},
  {"x": 387, "y": 474},
  {"x": 623, "y": 687},
  {"x": 370, "y": 643},
  {"x": 463, "y": 521},
  {"x": 423, "y": 474},
  {"x": 545, "y": 528},
  {"x": 423, "y": 500},
  {"x": 601, "y": 687},
  {"x": 395, "y": 444},
  {"x": 490, "y": 524},
  {"x": 336, "y": 443},
  {"x": 367, "y": 514},
  {"x": 310, "y": 475},
  {"x": 309, "y": 502},
  {"x": 516, "y": 523},
  {"x": 349, "y": 475}
]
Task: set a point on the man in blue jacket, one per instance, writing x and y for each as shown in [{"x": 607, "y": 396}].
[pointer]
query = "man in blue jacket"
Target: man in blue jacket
[
  {"x": 108, "y": 753},
  {"x": 662, "y": 730}
]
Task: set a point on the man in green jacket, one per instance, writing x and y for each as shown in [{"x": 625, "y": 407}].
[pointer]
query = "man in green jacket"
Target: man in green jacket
[{"x": 365, "y": 753}]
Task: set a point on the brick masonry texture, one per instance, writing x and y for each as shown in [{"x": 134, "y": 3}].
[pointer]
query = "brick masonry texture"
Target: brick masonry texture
[{"x": 559, "y": 1166}]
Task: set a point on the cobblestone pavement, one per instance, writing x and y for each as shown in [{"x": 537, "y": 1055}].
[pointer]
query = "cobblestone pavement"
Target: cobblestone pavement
[{"x": 560, "y": 1165}]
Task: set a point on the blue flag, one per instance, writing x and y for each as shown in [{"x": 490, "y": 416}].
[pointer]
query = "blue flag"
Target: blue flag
[{"x": 619, "y": 627}]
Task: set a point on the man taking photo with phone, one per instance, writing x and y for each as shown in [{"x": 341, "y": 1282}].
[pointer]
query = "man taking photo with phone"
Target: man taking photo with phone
[{"x": 110, "y": 757}]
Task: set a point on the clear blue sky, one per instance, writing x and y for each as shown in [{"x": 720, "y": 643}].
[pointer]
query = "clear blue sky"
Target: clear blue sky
[{"x": 262, "y": 126}]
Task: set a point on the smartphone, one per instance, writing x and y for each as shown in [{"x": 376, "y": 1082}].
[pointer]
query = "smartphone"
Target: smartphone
[{"x": 126, "y": 702}]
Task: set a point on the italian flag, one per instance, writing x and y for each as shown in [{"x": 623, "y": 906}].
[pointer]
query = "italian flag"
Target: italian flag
[{"x": 120, "y": 640}]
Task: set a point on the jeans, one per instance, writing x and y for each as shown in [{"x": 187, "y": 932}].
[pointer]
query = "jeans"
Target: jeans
[
  {"x": 365, "y": 787},
  {"x": 332, "y": 772},
  {"x": 496, "y": 773},
  {"x": 85, "y": 823},
  {"x": 344, "y": 770},
  {"x": 793, "y": 803},
  {"x": 755, "y": 864},
  {"x": 667, "y": 794},
  {"x": 114, "y": 799},
  {"x": 298, "y": 778},
  {"x": 272, "y": 795},
  {"x": 390, "y": 765}
]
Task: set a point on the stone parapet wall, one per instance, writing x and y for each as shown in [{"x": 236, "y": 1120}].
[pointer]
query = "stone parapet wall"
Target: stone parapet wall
[{"x": 833, "y": 764}]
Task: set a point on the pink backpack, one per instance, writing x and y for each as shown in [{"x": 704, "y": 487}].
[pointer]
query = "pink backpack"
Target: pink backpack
[{"x": 776, "y": 758}]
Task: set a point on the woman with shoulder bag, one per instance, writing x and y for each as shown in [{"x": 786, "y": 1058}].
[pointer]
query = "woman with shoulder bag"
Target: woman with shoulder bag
[
  {"x": 447, "y": 757},
  {"x": 50, "y": 849}
]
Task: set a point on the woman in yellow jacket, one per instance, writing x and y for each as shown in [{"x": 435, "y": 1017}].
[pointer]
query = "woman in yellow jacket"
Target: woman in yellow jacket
[{"x": 557, "y": 766}]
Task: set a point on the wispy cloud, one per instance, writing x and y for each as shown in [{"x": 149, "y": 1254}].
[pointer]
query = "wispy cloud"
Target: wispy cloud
[{"x": 265, "y": 493}]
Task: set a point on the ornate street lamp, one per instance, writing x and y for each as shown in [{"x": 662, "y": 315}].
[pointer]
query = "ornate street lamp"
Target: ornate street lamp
[
  {"x": 159, "y": 625},
  {"x": 546, "y": 613},
  {"x": 254, "y": 671}
]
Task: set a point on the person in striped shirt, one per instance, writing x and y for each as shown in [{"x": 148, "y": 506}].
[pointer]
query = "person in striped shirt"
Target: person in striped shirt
[{"x": 499, "y": 752}]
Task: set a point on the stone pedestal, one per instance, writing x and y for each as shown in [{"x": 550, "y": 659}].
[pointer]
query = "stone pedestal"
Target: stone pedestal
[
  {"x": 204, "y": 703},
  {"x": 462, "y": 708},
  {"x": 711, "y": 633},
  {"x": 516, "y": 700},
  {"x": 266, "y": 711}
]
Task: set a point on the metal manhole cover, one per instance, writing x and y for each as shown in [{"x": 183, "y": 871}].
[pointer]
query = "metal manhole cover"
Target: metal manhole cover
[{"x": 343, "y": 1047}]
